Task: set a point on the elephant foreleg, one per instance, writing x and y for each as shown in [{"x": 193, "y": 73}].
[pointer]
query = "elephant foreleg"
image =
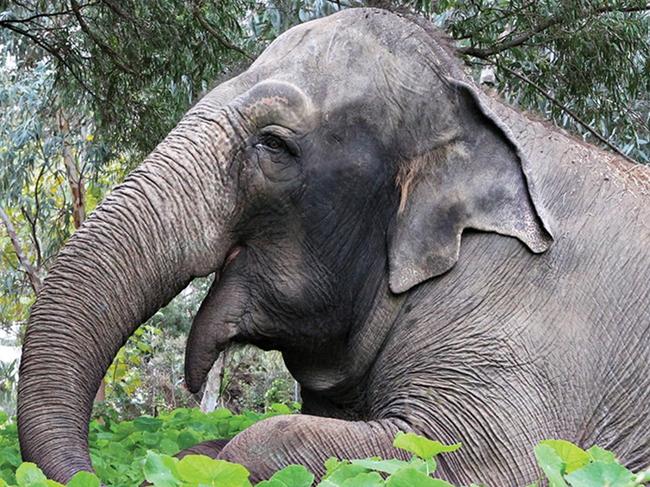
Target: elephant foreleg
[
  {"x": 277, "y": 442},
  {"x": 210, "y": 449}
]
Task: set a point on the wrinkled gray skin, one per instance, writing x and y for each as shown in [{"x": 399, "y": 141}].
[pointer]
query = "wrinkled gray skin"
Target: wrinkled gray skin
[{"x": 330, "y": 184}]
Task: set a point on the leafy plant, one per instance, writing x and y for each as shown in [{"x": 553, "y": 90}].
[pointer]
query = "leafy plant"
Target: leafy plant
[
  {"x": 129, "y": 452},
  {"x": 565, "y": 464},
  {"x": 119, "y": 448}
]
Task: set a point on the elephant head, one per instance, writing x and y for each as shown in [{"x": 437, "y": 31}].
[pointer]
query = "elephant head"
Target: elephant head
[{"x": 340, "y": 169}]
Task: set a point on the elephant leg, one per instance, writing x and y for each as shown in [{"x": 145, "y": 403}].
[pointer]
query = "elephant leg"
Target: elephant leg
[
  {"x": 210, "y": 449},
  {"x": 274, "y": 443}
]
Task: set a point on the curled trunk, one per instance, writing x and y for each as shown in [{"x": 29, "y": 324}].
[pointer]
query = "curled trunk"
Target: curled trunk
[{"x": 133, "y": 255}]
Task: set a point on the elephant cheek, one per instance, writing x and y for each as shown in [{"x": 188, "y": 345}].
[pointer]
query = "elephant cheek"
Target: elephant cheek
[{"x": 217, "y": 322}]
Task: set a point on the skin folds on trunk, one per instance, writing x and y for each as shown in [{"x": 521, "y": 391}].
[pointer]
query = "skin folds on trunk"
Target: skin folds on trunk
[{"x": 131, "y": 257}]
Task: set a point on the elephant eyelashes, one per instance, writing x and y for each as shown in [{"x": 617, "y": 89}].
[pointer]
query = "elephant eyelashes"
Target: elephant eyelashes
[
  {"x": 274, "y": 144},
  {"x": 277, "y": 140}
]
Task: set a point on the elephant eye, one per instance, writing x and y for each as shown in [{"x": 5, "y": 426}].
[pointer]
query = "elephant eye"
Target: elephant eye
[{"x": 272, "y": 143}]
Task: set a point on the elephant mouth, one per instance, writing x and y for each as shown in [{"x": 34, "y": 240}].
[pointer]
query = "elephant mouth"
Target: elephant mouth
[
  {"x": 218, "y": 320},
  {"x": 230, "y": 257}
]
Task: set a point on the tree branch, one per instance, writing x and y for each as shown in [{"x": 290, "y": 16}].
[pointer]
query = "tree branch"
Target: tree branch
[
  {"x": 37, "y": 210},
  {"x": 484, "y": 53},
  {"x": 26, "y": 20},
  {"x": 34, "y": 280},
  {"x": 53, "y": 52},
  {"x": 75, "y": 180},
  {"x": 76, "y": 8},
  {"x": 566, "y": 110},
  {"x": 213, "y": 32}
]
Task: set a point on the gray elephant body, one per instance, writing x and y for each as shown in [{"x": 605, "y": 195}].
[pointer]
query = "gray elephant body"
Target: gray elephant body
[
  {"x": 512, "y": 348},
  {"x": 340, "y": 173}
]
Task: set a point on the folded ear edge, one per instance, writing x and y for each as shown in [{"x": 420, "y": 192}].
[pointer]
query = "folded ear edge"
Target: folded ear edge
[
  {"x": 413, "y": 263},
  {"x": 536, "y": 246}
]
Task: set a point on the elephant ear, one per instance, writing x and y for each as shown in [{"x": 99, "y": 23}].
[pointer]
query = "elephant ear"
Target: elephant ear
[{"x": 477, "y": 179}]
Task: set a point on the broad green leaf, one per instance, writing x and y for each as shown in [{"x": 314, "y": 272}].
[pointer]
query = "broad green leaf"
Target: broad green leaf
[
  {"x": 160, "y": 470},
  {"x": 598, "y": 454},
  {"x": 3, "y": 417},
  {"x": 29, "y": 474},
  {"x": 168, "y": 447},
  {"x": 409, "y": 477},
  {"x": 425, "y": 466},
  {"x": 369, "y": 479},
  {"x": 146, "y": 423},
  {"x": 271, "y": 483},
  {"x": 343, "y": 472},
  {"x": 205, "y": 470},
  {"x": 386, "y": 466},
  {"x": 10, "y": 456},
  {"x": 294, "y": 476},
  {"x": 187, "y": 439},
  {"x": 83, "y": 479},
  {"x": 571, "y": 455},
  {"x": 331, "y": 464},
  {"x": 551, "y": 465},
  {"x": 600, "y": 474},
  {"x": 421, "y": 446}
]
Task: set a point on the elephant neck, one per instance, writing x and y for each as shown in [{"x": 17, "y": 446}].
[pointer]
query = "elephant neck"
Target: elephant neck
[{"x": 336, "y": 386}]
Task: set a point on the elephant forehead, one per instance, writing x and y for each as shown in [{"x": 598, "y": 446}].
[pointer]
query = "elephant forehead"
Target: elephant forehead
[{"x": 367, "y": 61}]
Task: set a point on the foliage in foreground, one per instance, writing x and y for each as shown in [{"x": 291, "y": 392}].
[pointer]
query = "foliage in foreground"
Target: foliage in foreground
[
  {"x": 131, "y": 451},
  {"x": 119, "y": 449}
]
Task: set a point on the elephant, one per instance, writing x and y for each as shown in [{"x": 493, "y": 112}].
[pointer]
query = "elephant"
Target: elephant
[{"x": 426, "y": 259}]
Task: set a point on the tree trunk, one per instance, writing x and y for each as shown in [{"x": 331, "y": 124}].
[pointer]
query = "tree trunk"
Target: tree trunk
[
  {"x": 75, "y": 178},
  {"x": 212, "y": 392}
]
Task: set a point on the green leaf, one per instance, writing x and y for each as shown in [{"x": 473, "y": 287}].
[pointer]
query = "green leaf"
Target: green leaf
[
  {"x": 280, "y": 408},
  {"x": 3, "y": 417},
  {"x": 331, "y": 464},
  {"x": 551, "y": 465},
  {"x": 386, "y": 466},
  {"x": 270, "y": 483},
  {"x": 344, "y": 471},
  {"x": 410, "y": 477},
  {"x": 571, "y": 455},
  {"x": 204, "y": 470},
  {"x": 146, "y": 423},
  {"x": 294, "y": 476},
  {"x": 83, "y": 479},
  {"x": 421, "y": 446},
  {"x": 187, "y": 439},
  {"x": 369, "y": 479},
  {"x": 160, "y": 470},
  {"x": 598, "y": 454},
  {"x": 600, "y": 474},
  {"x": 29, "y": 474}
]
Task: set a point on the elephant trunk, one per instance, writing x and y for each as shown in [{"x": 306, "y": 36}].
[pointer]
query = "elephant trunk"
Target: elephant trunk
[{"x": 138, "y": 250}]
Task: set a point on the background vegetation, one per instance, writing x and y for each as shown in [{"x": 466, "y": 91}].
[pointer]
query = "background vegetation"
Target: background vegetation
[{"x": 88, "y": 87}]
